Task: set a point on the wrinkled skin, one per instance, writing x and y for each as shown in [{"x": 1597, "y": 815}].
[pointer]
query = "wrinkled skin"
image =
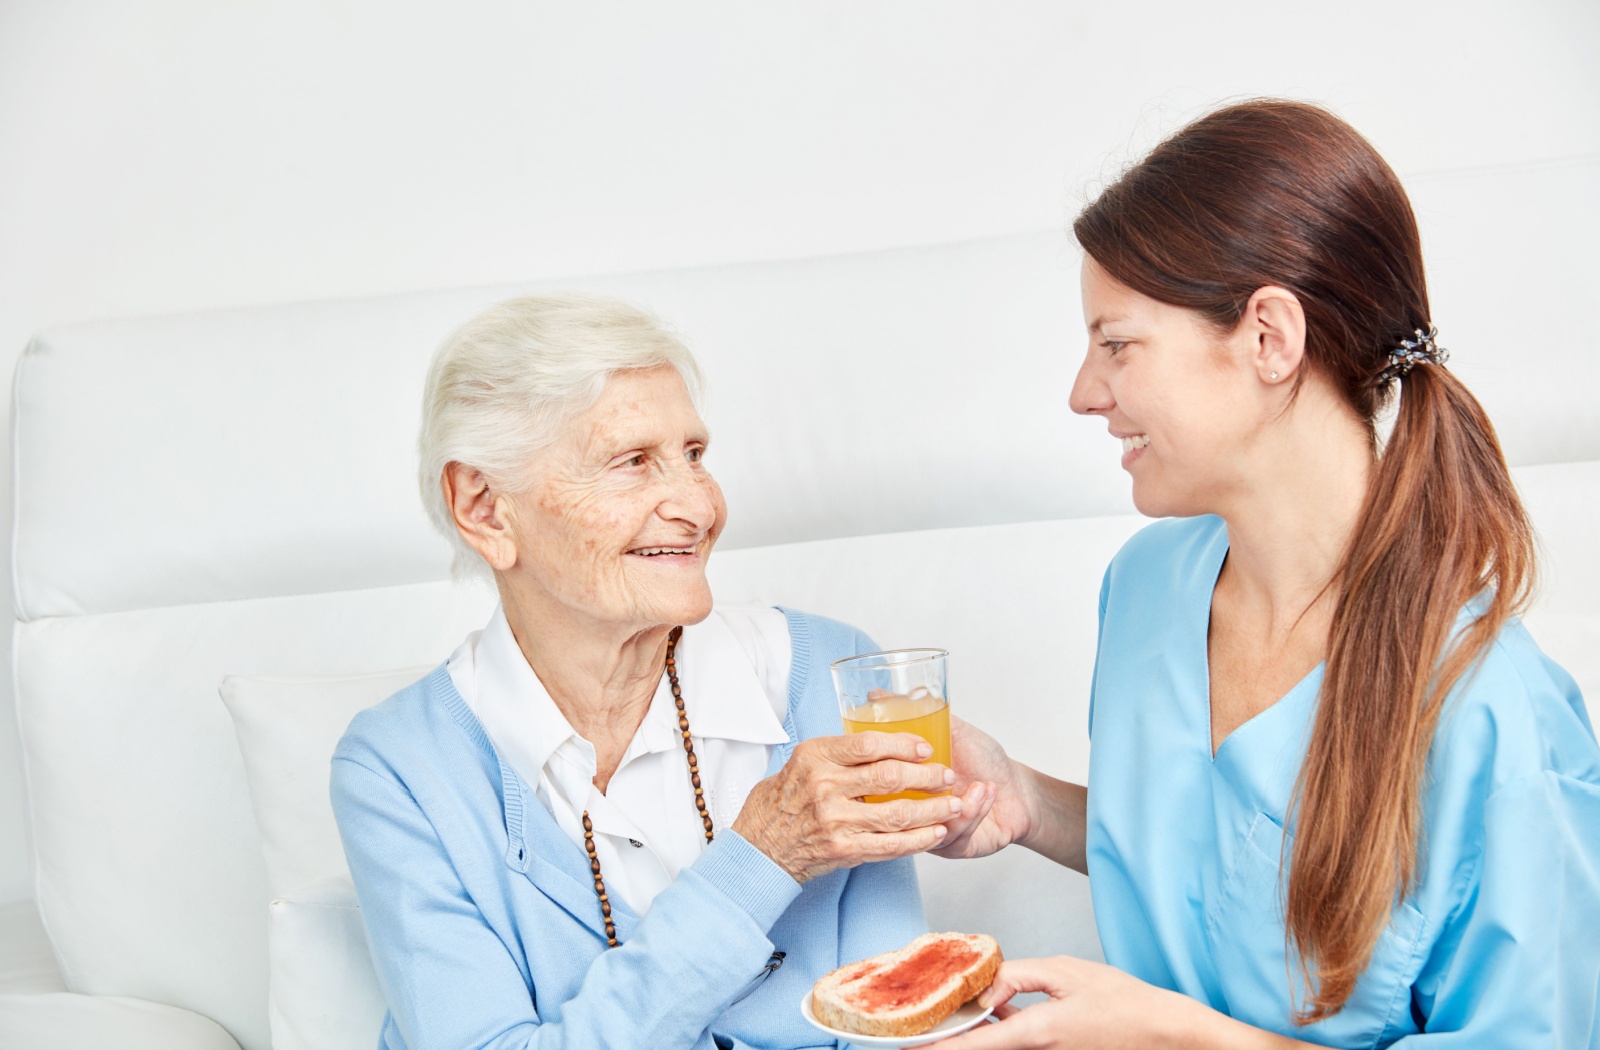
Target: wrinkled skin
[{"x": 809, "y": 817}]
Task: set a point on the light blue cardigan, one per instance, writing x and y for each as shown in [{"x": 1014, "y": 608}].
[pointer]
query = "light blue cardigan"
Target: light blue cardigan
[{"x": 482, "y": 917}]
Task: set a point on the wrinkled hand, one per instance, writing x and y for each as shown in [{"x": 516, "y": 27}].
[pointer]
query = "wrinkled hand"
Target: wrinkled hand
[
  {"x": 1091, "y": 1007},
  {"x": 809, "y": 817},
  {"x": 997, "y": 797}
]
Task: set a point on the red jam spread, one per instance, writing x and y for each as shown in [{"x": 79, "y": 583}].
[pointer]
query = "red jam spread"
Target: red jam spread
[{"x": 910, "y": 980}]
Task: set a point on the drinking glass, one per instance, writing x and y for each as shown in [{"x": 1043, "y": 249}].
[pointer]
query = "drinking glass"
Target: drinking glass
[{"x": 900, "y": 691}]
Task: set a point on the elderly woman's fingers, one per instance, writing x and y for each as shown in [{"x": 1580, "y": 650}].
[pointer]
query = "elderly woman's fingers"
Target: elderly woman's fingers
[
  {"x": 809, "y": 818},
  {"x": 892, "y": 844},
  {"x": 869, "y": 767},
  {"x": 854, "y": 749},
  {"x": 902, "y": 814},
  {"x": 891, "y": 778}
]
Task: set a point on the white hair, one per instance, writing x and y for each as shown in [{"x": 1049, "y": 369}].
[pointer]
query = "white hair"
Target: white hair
[{"x": 502, "y": 385}]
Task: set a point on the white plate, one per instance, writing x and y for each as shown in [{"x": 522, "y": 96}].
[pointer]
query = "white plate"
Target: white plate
[{"x": 969, "y": 1014}]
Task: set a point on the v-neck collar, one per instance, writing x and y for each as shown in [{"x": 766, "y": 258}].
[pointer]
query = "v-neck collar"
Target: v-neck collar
[{"x": 1281, "y": 723}]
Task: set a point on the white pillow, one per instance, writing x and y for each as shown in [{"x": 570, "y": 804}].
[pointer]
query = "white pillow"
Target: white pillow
[
  {"x": 287, "y": 730},
  {"x": 325, "y": 995},
  {"x": 68, "y": 1021}
]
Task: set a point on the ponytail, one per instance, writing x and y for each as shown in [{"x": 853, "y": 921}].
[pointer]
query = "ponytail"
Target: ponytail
[{"x": 1442, "y": 527}]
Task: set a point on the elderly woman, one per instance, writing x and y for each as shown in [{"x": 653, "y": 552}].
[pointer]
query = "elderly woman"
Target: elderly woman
[{"x": 615, "y": 816}]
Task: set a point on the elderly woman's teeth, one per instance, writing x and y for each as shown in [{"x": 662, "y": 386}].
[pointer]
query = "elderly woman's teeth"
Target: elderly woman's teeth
[
  {"x": 1137, "y": 441},
  {"x": 651, "y": 551}
]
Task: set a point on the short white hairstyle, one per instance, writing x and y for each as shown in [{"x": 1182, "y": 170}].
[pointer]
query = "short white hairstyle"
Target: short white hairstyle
[{"x": 503, "y": 384}]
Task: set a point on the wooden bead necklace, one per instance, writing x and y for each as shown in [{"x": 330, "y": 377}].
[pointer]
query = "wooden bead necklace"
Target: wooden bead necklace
[{"x": 694, "y": 778}]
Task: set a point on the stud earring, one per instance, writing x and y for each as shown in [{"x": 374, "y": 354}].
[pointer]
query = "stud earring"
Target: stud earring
[{"x": 1274, "y": 375}]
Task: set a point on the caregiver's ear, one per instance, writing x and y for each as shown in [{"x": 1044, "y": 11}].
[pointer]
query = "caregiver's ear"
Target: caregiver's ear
[{"x": 1273, "y": 325}]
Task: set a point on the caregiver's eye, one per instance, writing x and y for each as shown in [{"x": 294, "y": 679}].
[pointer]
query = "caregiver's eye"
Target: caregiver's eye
[{"x": 1114, "y": 346}]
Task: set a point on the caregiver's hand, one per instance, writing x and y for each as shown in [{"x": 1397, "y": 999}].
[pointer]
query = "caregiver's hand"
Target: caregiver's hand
[
  {"x": 809, "y": 817},
  {"x": 1097, "y": 1007},
  {"x": 1000, "y": 803}
]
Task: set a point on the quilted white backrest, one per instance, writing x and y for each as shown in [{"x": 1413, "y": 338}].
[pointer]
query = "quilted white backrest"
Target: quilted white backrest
[
  {"x": 268, "y": 452},
  {"x": 234, "y": 494}
]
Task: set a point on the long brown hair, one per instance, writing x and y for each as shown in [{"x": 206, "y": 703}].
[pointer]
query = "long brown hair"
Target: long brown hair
[{"x": 1282, "y": 193}]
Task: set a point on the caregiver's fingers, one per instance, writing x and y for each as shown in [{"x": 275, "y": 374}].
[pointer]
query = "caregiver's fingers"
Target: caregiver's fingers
[
  {"x": 1053, "y": 976},
  {"x": 1019, "y": 1030},
  {"x": 976, "y": 803}
]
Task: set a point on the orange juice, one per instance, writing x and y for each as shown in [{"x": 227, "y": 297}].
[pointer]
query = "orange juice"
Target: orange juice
[{"x": 921, "y": 713}]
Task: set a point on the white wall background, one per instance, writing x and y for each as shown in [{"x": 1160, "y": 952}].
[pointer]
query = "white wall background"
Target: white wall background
[{"x": 174, "y": 155}]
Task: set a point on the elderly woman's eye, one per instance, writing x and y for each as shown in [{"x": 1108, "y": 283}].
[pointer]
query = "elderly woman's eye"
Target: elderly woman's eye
[
  {"x": 636, "y": 460},
  {"x": 694, "y": 455}
]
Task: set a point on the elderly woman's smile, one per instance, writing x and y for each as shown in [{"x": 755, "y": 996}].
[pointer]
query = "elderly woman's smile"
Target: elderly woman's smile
[{"x": 622, "y": 513}]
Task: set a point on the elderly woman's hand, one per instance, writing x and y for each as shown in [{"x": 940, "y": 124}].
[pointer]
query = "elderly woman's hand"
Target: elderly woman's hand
[{"x": 809, "y": 818}]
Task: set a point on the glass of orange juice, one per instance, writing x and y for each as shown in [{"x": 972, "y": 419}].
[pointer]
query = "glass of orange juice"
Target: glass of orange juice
[{"x": 900, "y": 691}]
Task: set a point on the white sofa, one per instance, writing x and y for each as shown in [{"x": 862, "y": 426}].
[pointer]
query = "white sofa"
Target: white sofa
[{"x": 231, "y": 496}]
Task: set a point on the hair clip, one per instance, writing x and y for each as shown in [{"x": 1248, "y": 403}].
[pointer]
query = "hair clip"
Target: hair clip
[{"x": 1423, "y": 349}]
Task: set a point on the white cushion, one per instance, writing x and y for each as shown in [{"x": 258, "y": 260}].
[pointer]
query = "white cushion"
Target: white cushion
[
  {"x": 325, "y": 995},
  {"x": 849, "y": 396},
  {"x": 150, "y": 871},
  {"x": 27, "y": 965},
  {"x": 287, "y": 728},
  {"x": 64, "y": 1021},
  {"x": 917, "y": 388}
]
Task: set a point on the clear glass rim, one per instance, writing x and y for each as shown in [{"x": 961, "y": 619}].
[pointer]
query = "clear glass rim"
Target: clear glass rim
[{"x": 896, "y": 658}]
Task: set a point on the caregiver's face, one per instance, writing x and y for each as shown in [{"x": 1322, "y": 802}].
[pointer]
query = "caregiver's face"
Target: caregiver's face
[
  {"x": 1172, "y": 390},
  {"x": 622, "y": 514}
]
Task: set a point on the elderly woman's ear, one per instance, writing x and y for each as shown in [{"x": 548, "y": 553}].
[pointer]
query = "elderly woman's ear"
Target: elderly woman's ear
[{"x": 482, "y": 514}]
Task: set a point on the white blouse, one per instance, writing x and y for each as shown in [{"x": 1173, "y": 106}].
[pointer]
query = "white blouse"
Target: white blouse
[{"x": 734, "y": 672}]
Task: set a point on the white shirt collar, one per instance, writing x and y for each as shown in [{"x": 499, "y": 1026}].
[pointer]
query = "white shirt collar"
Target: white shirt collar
[
  {"x": 513, "y": 705},
  {"x": 723, "y": 695},
  {"x": 722, "y": 692}
]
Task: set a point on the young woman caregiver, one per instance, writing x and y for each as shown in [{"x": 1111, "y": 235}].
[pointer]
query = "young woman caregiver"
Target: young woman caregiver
[{"x": 1337, "y": 794}]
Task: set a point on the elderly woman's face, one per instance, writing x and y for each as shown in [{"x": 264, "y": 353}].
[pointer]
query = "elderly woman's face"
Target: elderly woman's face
[{"x": 622, "y": 515}]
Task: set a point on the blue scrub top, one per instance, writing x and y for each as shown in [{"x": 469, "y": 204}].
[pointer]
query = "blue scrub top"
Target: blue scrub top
[{"x": 1498, "y": 946}]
